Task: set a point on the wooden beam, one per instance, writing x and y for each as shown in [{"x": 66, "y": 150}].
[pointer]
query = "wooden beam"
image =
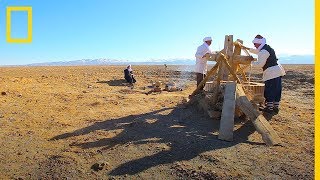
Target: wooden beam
[
  {"x": 237, "y": 48},
  {"x": 209, "y": 74},
  {"x": 239, "y": 59},
  {"x": 236, "y": 52},
  {"x": 263, "y": 127},
  {"x": 227, "y": 117},
  {"x": 240, "y": 44},
  {"x": 244, "y": 77},
  {"x": 213, "y": 57},
  {"x": 229, "y": 68}
]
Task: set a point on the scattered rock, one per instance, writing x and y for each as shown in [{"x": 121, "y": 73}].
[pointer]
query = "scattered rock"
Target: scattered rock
[
  {"x": 20, "y": 178},
  {"x": 85, "y": 91},
  {"x": 3, "y": 93},
  {"x": 99, "y": 166},
  {"x": 19, "y": 95},
  {"x": 1, "y": 116}
]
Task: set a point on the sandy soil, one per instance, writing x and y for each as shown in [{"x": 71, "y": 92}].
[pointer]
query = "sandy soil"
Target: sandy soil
[{"x": 86, "y": 123}]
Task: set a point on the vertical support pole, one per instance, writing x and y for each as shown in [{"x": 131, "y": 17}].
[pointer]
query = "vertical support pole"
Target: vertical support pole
[
  {"x": 223, "y": 73},
  {"x": 227, "y": 117}
]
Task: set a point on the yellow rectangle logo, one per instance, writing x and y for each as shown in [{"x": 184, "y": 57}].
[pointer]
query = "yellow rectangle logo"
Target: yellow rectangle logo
[{"x": 28, "y": 39}]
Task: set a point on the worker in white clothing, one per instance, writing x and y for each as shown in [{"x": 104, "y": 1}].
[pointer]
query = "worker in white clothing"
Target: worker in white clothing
[
  {"x": 201, "y": 60},
  {"x": 272, "y": 73}
]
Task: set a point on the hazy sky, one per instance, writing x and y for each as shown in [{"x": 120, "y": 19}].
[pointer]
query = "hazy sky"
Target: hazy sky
[{"x": 144, "y": 29}]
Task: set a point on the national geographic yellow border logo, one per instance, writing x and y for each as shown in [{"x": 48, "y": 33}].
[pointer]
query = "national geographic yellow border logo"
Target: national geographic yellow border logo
[{"x": 28, "y": 39}]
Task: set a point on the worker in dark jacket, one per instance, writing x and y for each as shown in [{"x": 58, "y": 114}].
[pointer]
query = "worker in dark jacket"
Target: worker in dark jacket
[
  {"x": 272, "y": 73},
  {"x": 128, "y": 75}
]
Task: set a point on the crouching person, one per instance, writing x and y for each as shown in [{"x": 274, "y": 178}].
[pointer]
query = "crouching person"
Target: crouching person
[{"x": 128, "y": 75}]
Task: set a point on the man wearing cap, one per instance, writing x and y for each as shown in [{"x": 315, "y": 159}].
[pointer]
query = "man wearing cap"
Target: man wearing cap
[
  {"x": 272, "y": 73},
  {"x": 201, "y": 61}
]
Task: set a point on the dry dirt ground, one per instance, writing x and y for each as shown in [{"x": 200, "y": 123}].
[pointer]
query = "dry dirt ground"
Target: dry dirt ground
[{"x": 86, "y": 123}]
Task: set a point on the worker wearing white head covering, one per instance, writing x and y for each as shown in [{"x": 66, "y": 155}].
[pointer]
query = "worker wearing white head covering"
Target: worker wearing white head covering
[
  {"x": 207, "y": 39},
  {"x": 128, "y": 75},
  {"x": 261, "y": 41},
  {"x": 129, "y": 68},
  {"x": 201, "y": 61},
  {"x": 272, "y": 73}
]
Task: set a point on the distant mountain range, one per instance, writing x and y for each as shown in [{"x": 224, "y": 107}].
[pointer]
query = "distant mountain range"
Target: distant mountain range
[
  {"x": 102, "y": 61},
  {"x": 283, "y": 59},
  {"x": 296, "y": 59}
]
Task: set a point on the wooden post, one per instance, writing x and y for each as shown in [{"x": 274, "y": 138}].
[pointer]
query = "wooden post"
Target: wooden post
[
  {"x": 227, "y": 117},
  {"x": 263, "y": 127},
  {"x": 228, "y": 50},
  {"x": 237, "y": 51},
  {"x": 236, "y": 66}
]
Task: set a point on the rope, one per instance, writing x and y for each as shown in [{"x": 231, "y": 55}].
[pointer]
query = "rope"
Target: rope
[{"x": 249, "y": 79}]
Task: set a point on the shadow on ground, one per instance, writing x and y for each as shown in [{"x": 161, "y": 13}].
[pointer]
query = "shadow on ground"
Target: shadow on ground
[
  {"x": 115, "y": 82},
  {"x": 187, "y": 132}
]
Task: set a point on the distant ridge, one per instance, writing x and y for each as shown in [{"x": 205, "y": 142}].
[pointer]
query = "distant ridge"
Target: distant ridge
[
  {"x": 283, "y": 59},
  {"x": 102, "y": 61}
]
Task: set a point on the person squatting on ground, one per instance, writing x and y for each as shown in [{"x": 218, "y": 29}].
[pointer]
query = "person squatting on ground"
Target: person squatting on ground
[
  {"x": 128, "y": 75},
  {"x": 272, "y": 73},
  {"x": 201, "y": 61}
]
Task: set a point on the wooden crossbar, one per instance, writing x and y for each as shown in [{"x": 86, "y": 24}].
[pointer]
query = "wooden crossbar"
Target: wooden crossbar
[{"x": 210, "y": 73}]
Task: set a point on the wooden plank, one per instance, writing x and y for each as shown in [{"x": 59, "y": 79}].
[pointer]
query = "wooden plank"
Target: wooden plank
[
  {"x": 209, "y": 74},
  {"x": 227, "y": 117},
  {"x": 262, "y": 126}
]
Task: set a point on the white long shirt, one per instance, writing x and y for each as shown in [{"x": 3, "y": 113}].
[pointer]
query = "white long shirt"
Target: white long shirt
[
  {"x": 271, "y": 72},
  {"x": 201, "y": 63}
]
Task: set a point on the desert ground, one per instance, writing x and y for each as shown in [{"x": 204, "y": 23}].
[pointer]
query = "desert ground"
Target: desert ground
[{"x": 86, "y": 123}]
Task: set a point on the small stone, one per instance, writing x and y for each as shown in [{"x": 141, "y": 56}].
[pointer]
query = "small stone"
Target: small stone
[
  {"x": 3, "y": 93},
  {"x": 1, "y": 116},
  {"x": 99, "y": 166},
  {"x": 19, "y": 95}
]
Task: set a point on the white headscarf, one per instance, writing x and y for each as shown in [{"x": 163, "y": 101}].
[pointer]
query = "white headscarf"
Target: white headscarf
[
  {"x": 262, "y": 42},
  {"x": 129, "y": 67},
  {"x": 207, "y": 39}
]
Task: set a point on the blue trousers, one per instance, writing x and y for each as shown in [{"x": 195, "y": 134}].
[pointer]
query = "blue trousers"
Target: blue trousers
[{"x": 273, "y": 89}]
